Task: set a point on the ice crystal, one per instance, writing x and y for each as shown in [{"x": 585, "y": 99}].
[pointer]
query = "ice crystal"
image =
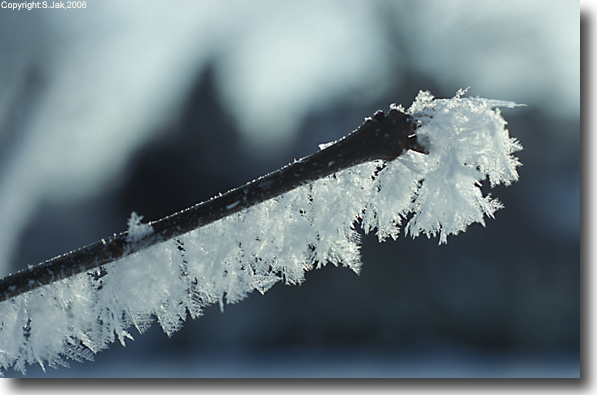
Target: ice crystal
[{"x": 278, "y": 240}]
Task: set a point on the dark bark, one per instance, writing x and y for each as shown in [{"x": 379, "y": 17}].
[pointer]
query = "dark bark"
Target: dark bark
[{"x": 382, "y": 137}]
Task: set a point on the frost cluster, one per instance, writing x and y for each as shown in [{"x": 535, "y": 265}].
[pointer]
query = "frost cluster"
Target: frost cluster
[
  {"x": 279, "y": 240},
  {"x": 467, "y": 142},
  {"x": 137, "y": 231}
]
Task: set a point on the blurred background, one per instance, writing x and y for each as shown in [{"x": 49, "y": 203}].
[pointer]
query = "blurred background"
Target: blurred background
[{"x": 154, "y": 106}]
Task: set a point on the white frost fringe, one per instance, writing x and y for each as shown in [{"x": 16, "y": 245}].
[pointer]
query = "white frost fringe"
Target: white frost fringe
[{"x": 278, "y": 239}]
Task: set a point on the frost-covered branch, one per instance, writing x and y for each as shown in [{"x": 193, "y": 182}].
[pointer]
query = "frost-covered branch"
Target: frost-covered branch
[
  {"x": 423, "y": 165},
  {"x": 383, "y": 137}
]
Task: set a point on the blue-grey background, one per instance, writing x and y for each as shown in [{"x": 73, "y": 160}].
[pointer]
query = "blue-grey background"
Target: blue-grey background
[{"x": 154, "y": 106}]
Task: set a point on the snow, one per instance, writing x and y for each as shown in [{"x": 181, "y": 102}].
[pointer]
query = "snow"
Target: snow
[{"x": 278, "y": 240}]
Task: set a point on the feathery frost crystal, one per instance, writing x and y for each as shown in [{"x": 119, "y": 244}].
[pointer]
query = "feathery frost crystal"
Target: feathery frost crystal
[{"x": 437, "y": 193}]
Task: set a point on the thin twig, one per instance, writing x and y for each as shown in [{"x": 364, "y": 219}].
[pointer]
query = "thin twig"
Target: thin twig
[{"x": 382, "y": 137}]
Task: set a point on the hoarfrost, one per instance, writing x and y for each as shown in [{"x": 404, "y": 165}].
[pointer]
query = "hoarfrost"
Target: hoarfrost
[
  {"x": 137, "y": 231},
  {"x": 277, "y": 240}
]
